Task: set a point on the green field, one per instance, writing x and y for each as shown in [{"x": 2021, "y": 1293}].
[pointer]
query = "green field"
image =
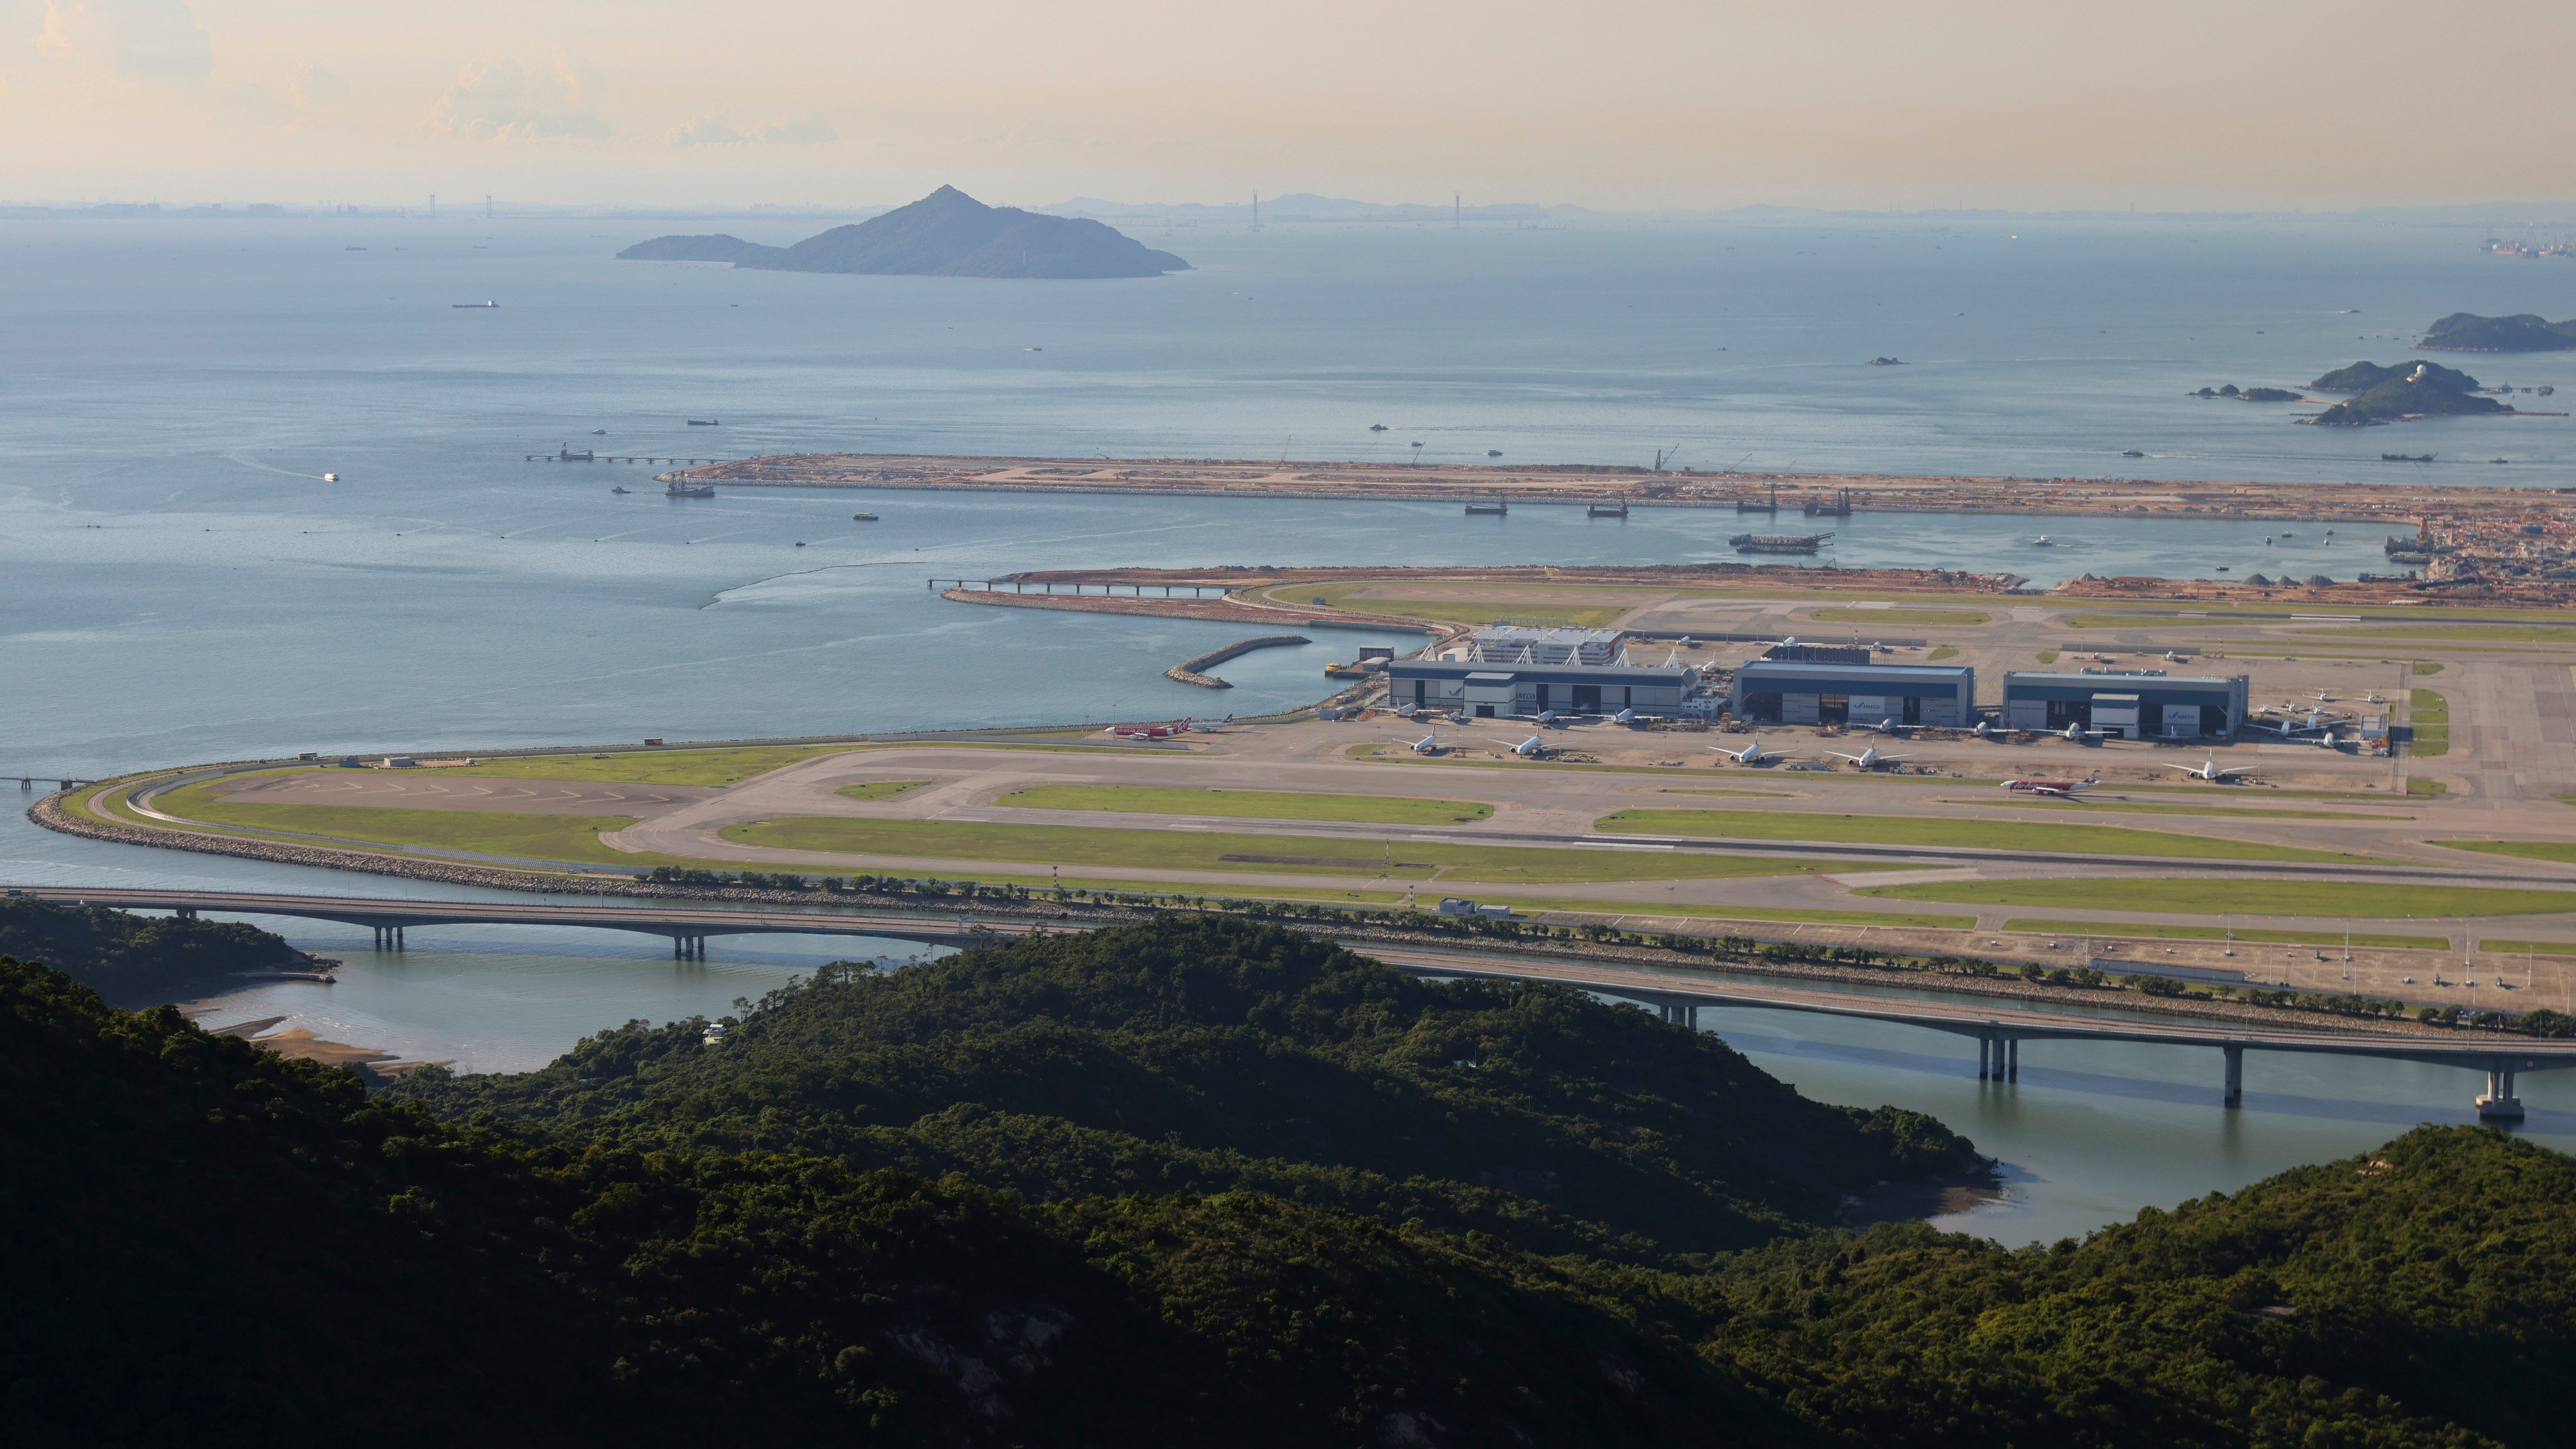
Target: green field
[
  {"x": 1248, "y": 804},
  {"x": 483, "y": 832},
  {"x": 2094, "y": 805},
  {"x": 2562, "y": 851},
  {"x": 1718, "y": 915},
  {"x": 1956, "y": 834},
  {"x": 879, "y": 789},
  {"x": 2428, "y": 721},
  {"x": 655, "y": 767},
  {"x": 1900, "y": 616},
  {"x": 2046, "y": 656},
  {"x": 1941, "y": 653},
  {"x": 2529, "y": 948},
  {"x": 2426, "y": 666},
  {"x": 2357, "y": 900},
  {"x": 2425, "y": 787},
  {"x": 1253, "y": 854},
  {"x": 2037, "y": 926}
]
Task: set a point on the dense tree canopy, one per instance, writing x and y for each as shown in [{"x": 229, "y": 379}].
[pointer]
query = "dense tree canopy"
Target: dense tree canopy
[{"x": 1184, "y": 1183}]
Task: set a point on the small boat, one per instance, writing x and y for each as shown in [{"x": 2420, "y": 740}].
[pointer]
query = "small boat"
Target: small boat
[
  {"x": 706, "y": 422},
  {"x": 2042, "y": 542},
  {"x": 472, "y": 306},
  {"x": 2406, "y": 457},
  {"x": 2135, "y": 453},
  {"x": 1377, "y": 427},
  {"x": 621, "y": 489},
  {"x": 1498, "y": 506},
  {"x": 863, "y": 518},
  {"x": 1607, "y": 508},
  {"x": 690, "y": 490},
  {"x": 330, "y": 477},
  {"x": 599, "y": 432},
  {"x": 2222, "y": 568},
  {"x": 353, "y": 249},
  {"x": 1493, "y": 452},
  {"x": 800, "y": 543}
]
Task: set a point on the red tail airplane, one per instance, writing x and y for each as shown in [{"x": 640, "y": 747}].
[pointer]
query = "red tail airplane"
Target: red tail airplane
[{"x": 2054, "y": 787}]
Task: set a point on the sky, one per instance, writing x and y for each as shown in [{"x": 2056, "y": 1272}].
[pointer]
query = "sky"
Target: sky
[{"x": 2178, "y": 105}]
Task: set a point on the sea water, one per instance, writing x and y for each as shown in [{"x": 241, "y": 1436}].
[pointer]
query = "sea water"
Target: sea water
[{"x": 182, "y": 584}]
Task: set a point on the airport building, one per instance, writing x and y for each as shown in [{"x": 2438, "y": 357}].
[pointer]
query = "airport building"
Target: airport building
[
  {"x": 1490, "y": 691},
  {"x": 2126, "y": 706},
  {"x": 1803, "y": 692}
]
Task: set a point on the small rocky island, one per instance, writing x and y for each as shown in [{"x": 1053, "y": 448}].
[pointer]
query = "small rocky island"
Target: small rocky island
[
  {"x": 2395, "y": 394},
  {"x": 945, "y": 234},
  {"x": 2252, "y": 394},
  {"x": 2522, "y": 332}
]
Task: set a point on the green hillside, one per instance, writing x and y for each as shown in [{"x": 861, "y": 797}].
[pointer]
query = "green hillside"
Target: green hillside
[{"x": 213, "y": 1246}]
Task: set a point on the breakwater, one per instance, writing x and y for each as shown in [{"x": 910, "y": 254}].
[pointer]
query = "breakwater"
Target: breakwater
[{"x": 1192, "y": 671}]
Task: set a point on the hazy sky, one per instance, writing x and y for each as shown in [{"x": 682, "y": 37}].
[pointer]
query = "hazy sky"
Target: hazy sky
[{"x": 1649, "y": 105}]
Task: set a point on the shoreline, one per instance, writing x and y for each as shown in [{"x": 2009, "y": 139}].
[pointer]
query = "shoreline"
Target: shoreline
[
  {"x": 1575, "y": 485},
  {"x": 1355, "y": 928}
]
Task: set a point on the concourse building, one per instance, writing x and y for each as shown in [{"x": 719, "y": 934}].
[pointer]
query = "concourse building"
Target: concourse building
[
  {"x": 2127, "y": 706},
  {"x": 1491, "y": 691},
  {"x": 1783, "y": 691}
]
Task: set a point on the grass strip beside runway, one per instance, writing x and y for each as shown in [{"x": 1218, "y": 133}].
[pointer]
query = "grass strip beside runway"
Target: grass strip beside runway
[
  {"x": 1248, "y": 804},
  {"x": 1902, "y": 830},
  {"x": 654, "y": 767},
  {"x": 482, "y": 832},
  {"x": 2167, "y": 895},
  {"x": 1073, "y": 845},
  {"x": 2563, "y": 851},
  {"x": 2114, "y": 930}
]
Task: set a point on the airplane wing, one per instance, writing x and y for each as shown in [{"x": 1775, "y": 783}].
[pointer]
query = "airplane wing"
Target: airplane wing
[{"x": 2186, "y": 769}]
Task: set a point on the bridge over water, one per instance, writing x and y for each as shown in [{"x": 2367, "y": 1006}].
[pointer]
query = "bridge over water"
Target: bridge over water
[{"x": 1999, "y": 1029}]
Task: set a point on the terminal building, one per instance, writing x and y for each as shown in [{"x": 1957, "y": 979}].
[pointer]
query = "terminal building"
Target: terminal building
[
  {"x": 1507, "y": 670},
  {"x": 2126, "y": 706},
  {"x": 1785, "y": 691}
]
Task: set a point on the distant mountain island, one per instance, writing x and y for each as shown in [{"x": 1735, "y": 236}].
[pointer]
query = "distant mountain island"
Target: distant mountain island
[
  {"x": 2251, "y": 394},
  {"x": 945, "y": 234},
  {"x": 2394, "y": 394},
  {"x": 2522, "y": 332}
]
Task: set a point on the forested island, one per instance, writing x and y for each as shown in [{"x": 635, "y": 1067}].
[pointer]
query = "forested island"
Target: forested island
[
  {"x": 1190, "y": 1182},
  {"x": 2522, "y": 332},
  {"x": 2395, "y": 394},
  {"x": 945, "y": 234}
]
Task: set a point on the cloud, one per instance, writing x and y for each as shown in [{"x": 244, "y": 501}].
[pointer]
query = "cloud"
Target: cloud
[
  {"x": 500, "y": 100},
  {"x": 148, "y": 39},
  {"x": 710, "y": 130}
]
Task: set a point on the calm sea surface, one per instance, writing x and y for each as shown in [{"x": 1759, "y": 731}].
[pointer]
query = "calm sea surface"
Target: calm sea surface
[{"x": 180, "y": 584}]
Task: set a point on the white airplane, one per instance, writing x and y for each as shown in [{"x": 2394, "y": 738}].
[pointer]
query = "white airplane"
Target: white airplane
[
  {"x": 2173, "y": 658},
  {"x": 1624, "y": 717},
  {"x": 1884, "y": 727},
  {"x": 2209, "y": 770},
  {"x": 1545, "y": 719},
  {"x": 1532, "y": 748},
  {"x": 1986, "y": 730},
  {"x": 2287, "y": 728},
  {"x": 1868, "y": 759},
  {"x": 2079, "y": 734},
  {"x": 1427, "y": 745},
  {"x": 1752, "y": 754},
  {"x": 2322, "y": 695},
  {"x": 2063, "y": 789},
  {"x": 2373, "y": 698}
]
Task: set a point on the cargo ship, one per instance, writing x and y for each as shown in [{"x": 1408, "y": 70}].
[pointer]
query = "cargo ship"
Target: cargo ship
[
  {"x": 689, "y": 490},
  {"x": 1778, "y": 542}
]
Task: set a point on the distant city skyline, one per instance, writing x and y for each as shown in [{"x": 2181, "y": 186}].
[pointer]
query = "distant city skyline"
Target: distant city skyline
[{"x": 1984, "y": 104}]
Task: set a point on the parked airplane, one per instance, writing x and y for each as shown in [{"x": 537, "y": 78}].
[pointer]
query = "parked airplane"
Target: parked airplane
[
  {"x": 1427, "y": 745},
  {"x": 1884, "y": 727},
  {"x": 2065, "y": 789},
  {"x": 1545, "y": 719},
  {"x": 2288, "y": 728},
  {"x": 2209, "y": 771},
  {"x": 1868, "y": 759},
  {"x": 1533, "y": 748},
  {"x": 1752, "y": 754},
  {"x": 2079, "y": 734},
  {"x": 1150, "y": 731}
]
